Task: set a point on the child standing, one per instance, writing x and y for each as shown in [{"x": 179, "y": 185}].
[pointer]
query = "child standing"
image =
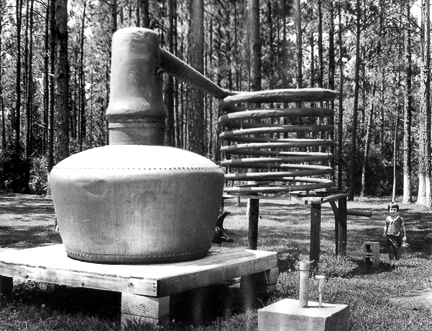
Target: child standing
[{"x": 394, "y": 231}]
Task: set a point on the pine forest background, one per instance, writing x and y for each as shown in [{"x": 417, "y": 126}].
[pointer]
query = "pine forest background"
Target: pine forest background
[{"x": 55, "y": 70}]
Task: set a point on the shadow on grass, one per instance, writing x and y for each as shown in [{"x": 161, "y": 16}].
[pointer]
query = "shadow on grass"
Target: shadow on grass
[{"x": 28, "y": 237}]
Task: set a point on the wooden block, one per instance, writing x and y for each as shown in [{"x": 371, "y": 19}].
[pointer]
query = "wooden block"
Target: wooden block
[
  {"x": 248, "y": 291},
  {"x": 137, "y": 309},
  {"x": 265, "y": 289},
  {"x": 287, "y": 315},
  {"x": 267, "y": 277},
  {"x": 371, "y": 252},
  {"x": 6, "y": 285}
]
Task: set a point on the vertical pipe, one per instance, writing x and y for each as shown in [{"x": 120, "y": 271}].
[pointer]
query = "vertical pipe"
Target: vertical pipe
[
  {"x": 304, "y": 276},
  {"x": 320, "y": 288}
]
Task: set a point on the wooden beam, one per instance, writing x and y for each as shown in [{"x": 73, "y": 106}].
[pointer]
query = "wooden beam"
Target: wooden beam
[
  {"x": 315, "y": 236},
  {"x": 359, "y": 213},
  {"x": 253, "y": 216},
  {"x": 336, "y": 215},
  {"x": 342, "y": 225}
]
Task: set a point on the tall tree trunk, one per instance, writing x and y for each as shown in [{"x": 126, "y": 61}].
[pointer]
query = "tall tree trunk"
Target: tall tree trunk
[
  {"x": 143, "y": 18},
  {"x": 253, "y": 27},
  {"x": 30, "y": 92},
  {"x": 62, "y": 80},
  {"x": 407, "y": 194},
  {"x": 356, "y": 103},
  {"x": 331, "y": 73},
  {"x": 395, "y": 154},
  {"x": 320, "y": 45},
  {"x": 299, "y": 48},
  {"x": 169, "y": 80},
  {"x": 51, "y": 85},
  {"x": 83, "y": 122},
  {"x": 114, "y": 12},
  {"x": 3, "y": 143},
  {"x": 18, "y": 77},
  {"x": 423, "y": 197},
  {"x": 367, "y": 144},
  {"x": 46, "y": 79},
  {"x": 312, "y": 59},
  {"x": 196, "y": 60},
  {"x": 340, "y": 123}
]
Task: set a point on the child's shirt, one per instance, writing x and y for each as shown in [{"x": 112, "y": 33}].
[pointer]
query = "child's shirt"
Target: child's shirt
[{"x": 394, "y": 225}]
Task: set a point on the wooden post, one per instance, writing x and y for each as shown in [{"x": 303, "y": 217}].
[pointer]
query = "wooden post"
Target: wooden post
[
  {"x": 6, "y": 285},
  {"x": 342, "y": 220},
  {"x": 253, "y": 215},
  {"x": 315, "y": 236},
  {"x": 336, "y": 215}
]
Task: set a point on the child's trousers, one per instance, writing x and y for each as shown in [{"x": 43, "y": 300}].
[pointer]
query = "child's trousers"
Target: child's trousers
[{"x": 394, "y": 246}]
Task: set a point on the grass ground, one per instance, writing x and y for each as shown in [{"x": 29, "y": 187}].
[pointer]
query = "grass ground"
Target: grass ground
[{"x": 28, "y": 221}]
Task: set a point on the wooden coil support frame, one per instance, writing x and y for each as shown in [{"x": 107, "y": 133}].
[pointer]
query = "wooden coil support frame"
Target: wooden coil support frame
[{"x": 277, "y": 150}]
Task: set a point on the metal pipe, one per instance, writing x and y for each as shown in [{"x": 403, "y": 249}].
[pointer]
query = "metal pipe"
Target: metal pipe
[
  {"x": 182, "y": 71},
  {"x": 321, "y": 279},
  {"x": 304, "y": 277}
]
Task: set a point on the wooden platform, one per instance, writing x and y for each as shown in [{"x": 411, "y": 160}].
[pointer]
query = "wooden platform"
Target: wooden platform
[{"x": 145, "y": 288}]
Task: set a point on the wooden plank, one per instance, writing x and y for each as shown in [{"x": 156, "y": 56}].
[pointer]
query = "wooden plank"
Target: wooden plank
[
  {"x": 283, "y": 95},
  {"x": 253, "y": 216},
  {"x": 228, "y": 267},
  {"x": 265, "y": 113},
  {"x": 359, "y": 213},
  {"x": 50, "y": 264},
  {"x": 80, "y": 279},
  {"x": 342, "y": 225},
  {"x": 315, "y": 237},
  {"x": 336, "y": 215}
]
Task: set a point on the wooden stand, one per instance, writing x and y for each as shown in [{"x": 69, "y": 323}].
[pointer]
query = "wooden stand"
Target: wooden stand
[
  {"x": 340, "y": 213},
  {"x": 371, "y": 252},
  {"x": 146, "y": 289}
]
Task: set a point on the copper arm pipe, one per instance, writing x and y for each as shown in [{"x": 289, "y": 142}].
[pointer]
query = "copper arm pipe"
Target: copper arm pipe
[{"x": 177, "y": 68}]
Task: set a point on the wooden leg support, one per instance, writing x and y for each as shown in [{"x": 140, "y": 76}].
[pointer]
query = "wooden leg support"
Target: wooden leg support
[
  {"x": 342, "y": 233},
  {"x": 253, "y": 215},
  {"x": 315, "y": 238},
  {"x": 263, "y": 283},
  {"x": 6, "y": 285},
  {"x": 139, "y": 309},
  {"x": 266, "y": 282}
]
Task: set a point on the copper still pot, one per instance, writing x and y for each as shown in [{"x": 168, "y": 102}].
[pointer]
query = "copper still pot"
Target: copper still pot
[
  {"x": 135, "y": 201},
  {"x": 136, "y": 204}
]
